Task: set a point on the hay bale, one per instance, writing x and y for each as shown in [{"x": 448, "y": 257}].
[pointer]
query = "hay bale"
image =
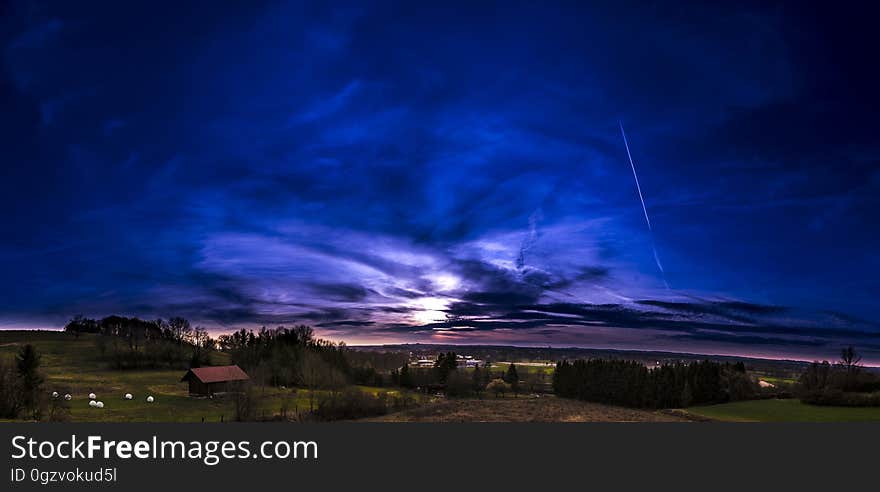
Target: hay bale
[
  {"x": 92, "y": 396},
  {"x": 92, "y": 403},
  {"x": 54, "y": 394},
  {"x": 67, "y": 397},
  {"x": 150, "y": 399},
  {"x": 99, "y": 404},
  {"x": 128, "y": 396}
]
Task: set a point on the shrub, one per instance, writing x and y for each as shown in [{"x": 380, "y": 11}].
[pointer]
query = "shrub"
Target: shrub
[
  {"x": 352, "y": 403},
  {"x": 835, "y": 397},
  {"x": 459, "y": 384},
  {"x": 498, "y": 387}
]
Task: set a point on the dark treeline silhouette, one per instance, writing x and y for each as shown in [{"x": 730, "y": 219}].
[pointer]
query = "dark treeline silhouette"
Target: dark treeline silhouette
[
  {"x": 628, "y": 383},
  {"x": 288, "y": 357},
  {"x": 844, "y": 383},
  {"x": 133, "y": 343}
]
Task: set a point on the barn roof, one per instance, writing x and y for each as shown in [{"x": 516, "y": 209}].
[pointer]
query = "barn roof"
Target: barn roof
[{"x": 216, "y": 374}]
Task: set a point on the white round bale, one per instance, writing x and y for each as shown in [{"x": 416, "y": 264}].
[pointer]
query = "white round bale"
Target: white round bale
[
  {"x": 128, "y": 396},
  {"x": 54, "y": 394},
  {"x": 100, "y": 404},
  {"x": 68, "y": 397},
  {"x": 92, "y": 403},
  {"x": 92, "y": 396},
  {"x": 150, "y": 399}
]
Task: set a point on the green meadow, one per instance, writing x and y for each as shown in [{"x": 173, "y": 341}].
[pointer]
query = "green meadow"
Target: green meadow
[
  {"x": 788, "y": 410},
  {"x": 523, "y": 368},
  {"x": 70, "y": 365}
]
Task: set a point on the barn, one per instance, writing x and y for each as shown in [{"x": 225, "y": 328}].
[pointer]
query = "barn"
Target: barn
[{"x": 206, "y": 381}]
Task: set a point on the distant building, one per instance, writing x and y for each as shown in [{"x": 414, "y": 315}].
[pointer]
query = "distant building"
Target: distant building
[
  {"x": 460, "y": 361},
  {"x": 467, "y": 361},
  {"x": 207, "y": 381}
]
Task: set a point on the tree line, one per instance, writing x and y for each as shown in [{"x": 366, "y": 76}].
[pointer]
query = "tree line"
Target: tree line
[
  {"x": 844, "y": 383},
  {"x": 632, "y": 384},
  {"x": 288, "y": 357},
  {"x": 133, "y": 343},
  {"x": 453, "y": 381}
]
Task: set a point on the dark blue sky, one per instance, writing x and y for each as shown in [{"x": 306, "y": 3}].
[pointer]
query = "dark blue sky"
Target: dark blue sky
[{"x": 451, "y": 173}]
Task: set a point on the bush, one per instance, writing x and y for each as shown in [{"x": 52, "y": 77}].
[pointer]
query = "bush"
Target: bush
[
  {"x": 845, "y": 383},
  {"x": 834, "y": 397},
  {"x": 498, "y": 387},
  {"x": 459, "y": 384},
  {"x": 246, "y": 402},
  {"x": 352, "y": 403}
]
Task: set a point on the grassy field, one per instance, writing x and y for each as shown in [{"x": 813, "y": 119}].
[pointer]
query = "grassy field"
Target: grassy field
[
  {"x": 523, "y": 368},
  {"x": 70, "y": 365},
  {"x": 522, "y": 409},
  {"x": 784, "y": 411},
  {"x": 778, "y": 380}
]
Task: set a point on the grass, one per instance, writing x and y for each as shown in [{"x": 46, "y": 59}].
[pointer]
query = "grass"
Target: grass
[
  {"x": 523, "y": 409},
  {"x": 789, "y": 410},
  {"x": 523, "y": 368},
  {"x": 70, "y": 365},
  {"x": 778, "y": 380}
]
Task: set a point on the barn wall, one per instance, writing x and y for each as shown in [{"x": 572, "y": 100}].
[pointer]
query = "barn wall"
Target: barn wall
[{"x": 197, "y": 387}]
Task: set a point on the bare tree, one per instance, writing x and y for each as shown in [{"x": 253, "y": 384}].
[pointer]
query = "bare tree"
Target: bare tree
[
  {"x": 180, "y": 328},
  {"x": 850, "y": 359}
]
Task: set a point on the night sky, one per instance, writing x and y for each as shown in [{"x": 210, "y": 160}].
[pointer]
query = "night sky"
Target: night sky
[{"x": 399, "y": 172}]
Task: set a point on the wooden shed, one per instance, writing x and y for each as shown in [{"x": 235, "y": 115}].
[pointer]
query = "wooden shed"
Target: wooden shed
[{"x": 206, "y": 381}]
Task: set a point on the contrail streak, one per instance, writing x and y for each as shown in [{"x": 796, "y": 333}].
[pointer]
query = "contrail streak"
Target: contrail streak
[
  {"x": 644, "y": 208},
  {"x": 633, "y": 166}
]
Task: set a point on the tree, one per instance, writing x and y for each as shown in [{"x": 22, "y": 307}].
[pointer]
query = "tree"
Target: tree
[
  {"x": 10, "y": 391},
  {"x": 405, "y": 377},
  {"x": 534, "y": 381},
  {"x": 512, "y": 378},
  {"x": 498, "y": 387},
  {"x": 246, "y": 401},
  {"x": 75, "y": 325},
  {"x": 316, "y": 373},
  {"x": 850, "y": 360},
  {"x": 59, "y": 410},
  {"x": 445, "y": 364},
  {"x": 458, "y": 384},
  {"x": 201, "y": 341},
  {"x": 487, "y": 373},
  {"x": 687, "y": 396},
  {"x": 180, "y": 329},
  {"x": 477, "y": 384},
  {"x": 80, "y": 324},
  {"x": 28, "y": 363}
]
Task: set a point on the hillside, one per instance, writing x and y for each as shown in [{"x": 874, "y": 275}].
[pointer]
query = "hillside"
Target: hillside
[
  {"x": 71, "y": 365},
  {"x": 524, "y": 409}
]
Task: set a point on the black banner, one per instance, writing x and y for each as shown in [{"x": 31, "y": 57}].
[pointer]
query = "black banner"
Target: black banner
[{"x": 414, "y": 456}]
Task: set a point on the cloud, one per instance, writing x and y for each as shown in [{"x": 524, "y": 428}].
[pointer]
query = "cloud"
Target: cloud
[
  {"x": 339, "y": 168},
  {"x": 341, "y": 292}
]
